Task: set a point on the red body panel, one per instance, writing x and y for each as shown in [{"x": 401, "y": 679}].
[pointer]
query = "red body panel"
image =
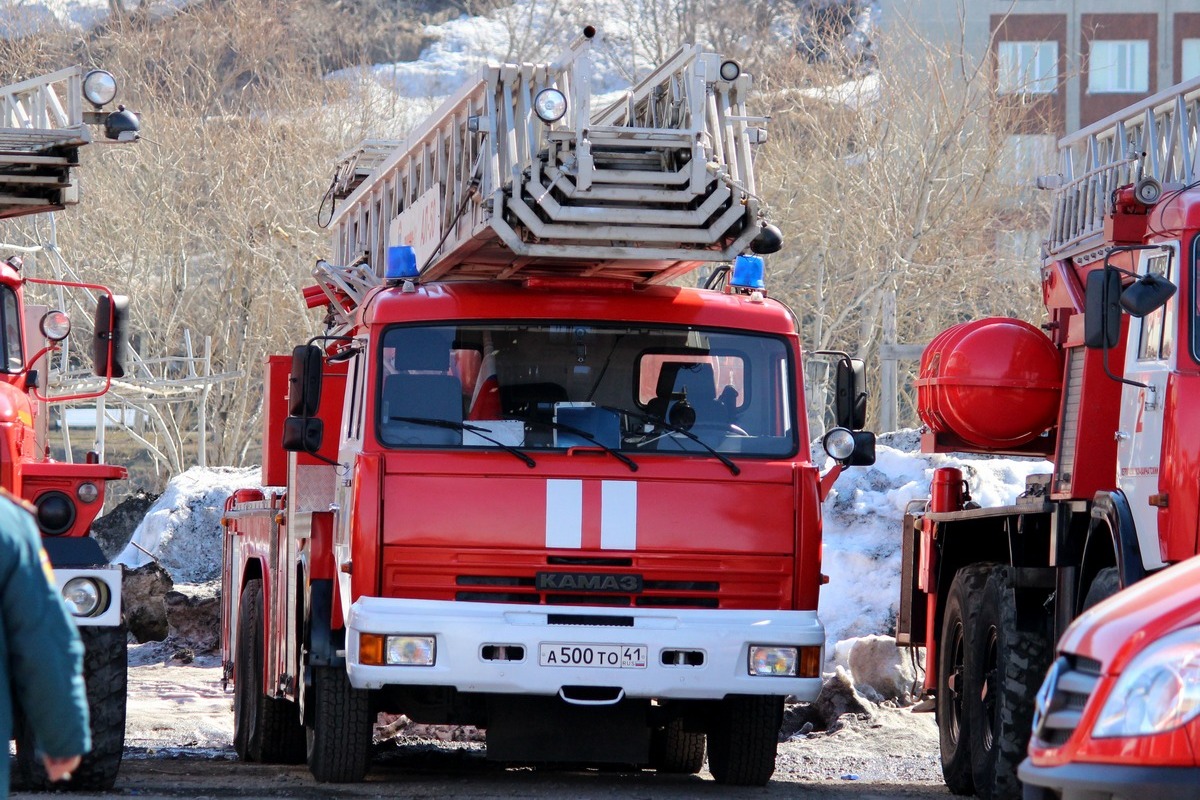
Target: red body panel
[{"x": 1113, "y": 633}]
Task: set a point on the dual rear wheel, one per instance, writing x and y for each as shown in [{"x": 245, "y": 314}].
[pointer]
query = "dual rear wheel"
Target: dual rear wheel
[{"x": 989, "y": 670}]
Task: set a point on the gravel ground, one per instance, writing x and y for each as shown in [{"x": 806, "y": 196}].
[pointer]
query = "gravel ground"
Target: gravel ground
[{"x": 180, "y": 729}]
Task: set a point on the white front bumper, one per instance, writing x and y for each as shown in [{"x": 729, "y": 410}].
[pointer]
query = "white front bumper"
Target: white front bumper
[{"x": 464, "y": 629}]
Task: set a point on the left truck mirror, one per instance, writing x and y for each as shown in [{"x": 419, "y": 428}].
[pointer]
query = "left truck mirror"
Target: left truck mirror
[
  {"x": 303, "y": 434},
  {"x": 111, "y": 338},
  {"x": 304, "y": 385}
]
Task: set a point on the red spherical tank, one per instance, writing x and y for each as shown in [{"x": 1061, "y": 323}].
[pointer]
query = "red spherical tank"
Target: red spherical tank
[{"x": 993, "y": 382}]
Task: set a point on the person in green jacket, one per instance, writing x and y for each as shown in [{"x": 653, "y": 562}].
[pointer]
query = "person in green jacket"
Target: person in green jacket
[{"x": 41, "y": 656}]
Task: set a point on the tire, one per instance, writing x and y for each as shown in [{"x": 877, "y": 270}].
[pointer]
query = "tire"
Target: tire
[
  {"x": 105, "y": 675},
  {"x": 339, "y": 739},
  {"x": 1004, "y": 668},
  {"x": 1106, "y": 583},
  {"x": 676, "y": 751},
  {"x": 954, "y": 733},
  {"x": 265, "y": 729},
  {"x": 743, "y": 736}
]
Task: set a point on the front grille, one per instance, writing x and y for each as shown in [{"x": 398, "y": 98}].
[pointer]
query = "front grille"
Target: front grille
[
  {"x": 657, "y": 594},
  {"x": 643, "y": 581},
  {"x": 1063, "y": 697}
]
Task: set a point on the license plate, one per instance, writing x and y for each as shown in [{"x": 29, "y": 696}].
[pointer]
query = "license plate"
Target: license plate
[{"x": 619, "y": 656}]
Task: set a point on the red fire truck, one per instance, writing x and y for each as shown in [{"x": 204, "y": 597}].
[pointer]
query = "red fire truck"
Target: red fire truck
[
  {"x": 523, "y": 482},
  {"x": 43, "y": 125},
  {"x": 1102, "y": 392}
]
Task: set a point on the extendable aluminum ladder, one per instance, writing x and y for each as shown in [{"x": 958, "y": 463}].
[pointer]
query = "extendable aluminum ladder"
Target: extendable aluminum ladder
[
  {"x": 1156, "y": 138},
  {"x": 644, "y": 189}
]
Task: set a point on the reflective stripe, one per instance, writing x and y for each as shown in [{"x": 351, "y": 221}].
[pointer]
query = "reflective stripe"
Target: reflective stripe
[
  {"x": 618, "y": 515},
  {"x": 564, "y": 513}
]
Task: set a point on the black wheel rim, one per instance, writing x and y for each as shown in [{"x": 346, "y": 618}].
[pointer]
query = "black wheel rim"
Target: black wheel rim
[
  {"x": 954, "y": 684},
  {"x": 989, "y": 691}
]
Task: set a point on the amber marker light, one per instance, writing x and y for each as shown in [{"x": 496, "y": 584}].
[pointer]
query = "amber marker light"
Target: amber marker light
[{"x": 370, "y": 649}]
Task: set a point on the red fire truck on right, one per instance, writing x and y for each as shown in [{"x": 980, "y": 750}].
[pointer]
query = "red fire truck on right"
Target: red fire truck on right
[{"x": 1107, "y": 391}]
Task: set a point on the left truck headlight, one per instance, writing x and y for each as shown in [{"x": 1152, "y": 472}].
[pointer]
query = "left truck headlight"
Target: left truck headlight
[
  {"x": 85, "y": 597},
  {"x": 1157, "y": 692}
]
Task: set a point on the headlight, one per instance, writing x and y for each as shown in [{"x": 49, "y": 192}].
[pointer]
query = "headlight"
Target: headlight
[
  {"x": 84, "y": 596},
  {"x": 99, "y": 87},
  {"x": 772, "y": 660},
  {"x": 839, "y": 444},
  {"x": 1158, "y": 691},
  {"x": 793, "y": 662},
  {"x": 56, "y": 325},
  {"x": 730, "y": 71},
  {"x": 87, "y": 492},
  {"x": 550, "y": 105},
  {"x": 55, "y": 513},
  {"x": 407, "y": 651}
]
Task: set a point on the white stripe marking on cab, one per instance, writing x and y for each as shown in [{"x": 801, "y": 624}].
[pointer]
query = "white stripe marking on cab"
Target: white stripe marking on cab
[
  {"x": 618, "y": 515},
  {"x": 564, "y": 513}
]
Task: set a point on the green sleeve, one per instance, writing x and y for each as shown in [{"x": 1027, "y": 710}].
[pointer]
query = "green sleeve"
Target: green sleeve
[{"x": 45, "y": 653}]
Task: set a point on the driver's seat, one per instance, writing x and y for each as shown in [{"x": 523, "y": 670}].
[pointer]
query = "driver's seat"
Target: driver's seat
[{"x": 700, "y": 385}]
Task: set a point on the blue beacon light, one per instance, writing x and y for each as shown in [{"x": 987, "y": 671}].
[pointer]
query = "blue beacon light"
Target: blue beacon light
[
  {"x": 747, "y": 272},
  {"x": 401, "y": 263}
]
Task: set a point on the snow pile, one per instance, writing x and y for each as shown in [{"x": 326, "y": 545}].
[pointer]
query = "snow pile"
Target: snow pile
[
  {"x": 862, "y": 527},
  {"x": 182, "y": 530}
]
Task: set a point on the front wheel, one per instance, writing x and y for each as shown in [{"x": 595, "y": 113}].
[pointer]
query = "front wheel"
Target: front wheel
[
  {"x": 1005, "y": 667},
  {"x": 339, "y": 738},
  {"x": 743, "y": 737},
  {"x": 105, "y": 676},
  {"x": 954, "y": 738},
  {"x": 265, "y": 729},
  {"x": 676, "y": 751}
]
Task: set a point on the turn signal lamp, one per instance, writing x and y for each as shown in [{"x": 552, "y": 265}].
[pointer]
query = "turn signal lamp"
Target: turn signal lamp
[
  {"x": 401, "y": 263},
  {"x": 747, "y": 272}
]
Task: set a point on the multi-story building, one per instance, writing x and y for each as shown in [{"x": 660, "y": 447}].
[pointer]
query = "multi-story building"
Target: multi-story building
[{"x": 1080, "y": 60}]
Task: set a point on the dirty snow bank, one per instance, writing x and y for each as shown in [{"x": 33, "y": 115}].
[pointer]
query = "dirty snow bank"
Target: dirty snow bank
[{"x": 182, "y": 530}]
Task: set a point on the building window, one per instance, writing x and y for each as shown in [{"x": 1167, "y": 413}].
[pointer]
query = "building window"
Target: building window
[
  {"x": 1119, "y": 66},
  {"x": 1189, "y": 61},
  {"x": 1027, "y": 67}
]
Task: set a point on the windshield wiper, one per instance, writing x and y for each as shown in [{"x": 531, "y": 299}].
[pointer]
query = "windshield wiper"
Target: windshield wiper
[
  {"x": 662, "y": 423},
  {"x": 478, "y": 430},
  {"x": 561, "y": 426}
]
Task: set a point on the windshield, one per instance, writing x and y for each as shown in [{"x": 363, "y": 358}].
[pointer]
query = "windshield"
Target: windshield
[{"x": 537, "y": 387}]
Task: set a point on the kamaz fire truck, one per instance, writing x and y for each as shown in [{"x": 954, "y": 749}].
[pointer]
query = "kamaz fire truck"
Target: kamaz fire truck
[
  {"x": 522, "y": 481},
  {"x": 43, "y": 126},
  {"x": 1104, "y": 390}
]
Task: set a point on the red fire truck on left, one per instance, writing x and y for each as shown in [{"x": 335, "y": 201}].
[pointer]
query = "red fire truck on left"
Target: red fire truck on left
[{"x": 44, "y": 122}]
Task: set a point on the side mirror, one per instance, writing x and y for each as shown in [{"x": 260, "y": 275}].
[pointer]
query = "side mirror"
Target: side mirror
[
  {"x": 850, "y": 401},
  {"x": 303, "y": 434},
  {"x": 111, "y": 338},
  {"x": 1147, "y": 294},
  {"x": 304, "y": 385},
  {"x": 1102, "y": 309}
]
